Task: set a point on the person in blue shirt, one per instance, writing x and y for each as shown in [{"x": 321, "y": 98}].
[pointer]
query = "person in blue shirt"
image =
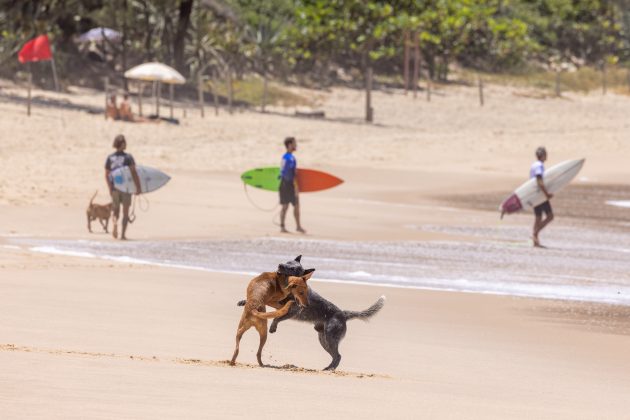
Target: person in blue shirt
[
  {"x": 289, "y": 193},
  {"x": 537, "y": 171}
]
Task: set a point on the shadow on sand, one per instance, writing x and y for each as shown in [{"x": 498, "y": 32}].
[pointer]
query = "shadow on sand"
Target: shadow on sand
[{"x": 51, "y": 103}]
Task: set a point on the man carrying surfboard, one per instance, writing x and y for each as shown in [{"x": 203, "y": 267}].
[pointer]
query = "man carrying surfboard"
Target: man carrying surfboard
[
  {"x": 537, "y": 171},
  {"x": 114, "y": 161},
  {"x": 289, "y": 193}
]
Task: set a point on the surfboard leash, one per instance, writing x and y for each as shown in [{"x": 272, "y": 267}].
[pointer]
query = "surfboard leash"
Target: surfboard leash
[
  {"x": 132, "y": 214},
  {"x": 256, "y": 205},
  {"x": 273, "y": 219},
  {"x": 145, "y": 208}
]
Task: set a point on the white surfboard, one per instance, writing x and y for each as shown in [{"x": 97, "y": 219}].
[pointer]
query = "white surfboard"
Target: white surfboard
[
  {"x": 151, "y": 179},
  {"x": 529, "y": 195}
]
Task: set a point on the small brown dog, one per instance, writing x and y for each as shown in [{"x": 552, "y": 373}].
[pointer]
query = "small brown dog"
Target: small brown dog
[
  {"x": 269, "y": 289},
  {"x": 102, "y": 212}
]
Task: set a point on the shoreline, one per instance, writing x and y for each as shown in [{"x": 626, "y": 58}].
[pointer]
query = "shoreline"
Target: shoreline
[{"x": 562, "y": 287}]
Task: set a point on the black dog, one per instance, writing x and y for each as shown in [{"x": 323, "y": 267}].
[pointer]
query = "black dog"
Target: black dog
[
  {"x": 329, "y": 320},
  {"x": 291, "y": 268}
]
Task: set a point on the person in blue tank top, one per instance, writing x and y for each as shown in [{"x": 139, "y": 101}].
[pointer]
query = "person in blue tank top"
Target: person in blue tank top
[{"x": 289, "y": 193}]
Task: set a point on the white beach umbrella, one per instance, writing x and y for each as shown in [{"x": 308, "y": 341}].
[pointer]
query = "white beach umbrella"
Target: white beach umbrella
[
  {"x": 100, "y": 34},
  {"x": 157, "y": 73}
]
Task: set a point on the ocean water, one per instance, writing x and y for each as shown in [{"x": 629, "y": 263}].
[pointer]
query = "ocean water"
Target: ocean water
[
  {"x": 579, "y": 263},
  {"x": 619, "y": 203}
]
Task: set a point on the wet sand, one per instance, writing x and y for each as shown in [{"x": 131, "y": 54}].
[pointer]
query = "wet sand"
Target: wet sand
[
  {"x": 581, "y": 202},
  {"x": 579, "y": 263}
]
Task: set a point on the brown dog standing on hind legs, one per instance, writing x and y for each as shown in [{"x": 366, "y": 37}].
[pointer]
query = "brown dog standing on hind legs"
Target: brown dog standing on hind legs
[
  {"x": 102, "y": 212},
  {"x": 270, "y": 289}
]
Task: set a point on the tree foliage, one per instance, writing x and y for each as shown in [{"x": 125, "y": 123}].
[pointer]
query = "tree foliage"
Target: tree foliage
[{"x": 312, "y": 36}]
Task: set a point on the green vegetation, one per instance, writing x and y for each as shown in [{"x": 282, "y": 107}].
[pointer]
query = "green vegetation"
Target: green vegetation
[
  {"x": 312, "y": 39},
  {"x": 251, "y": 90},
  {"x": 583, "y": 79}
]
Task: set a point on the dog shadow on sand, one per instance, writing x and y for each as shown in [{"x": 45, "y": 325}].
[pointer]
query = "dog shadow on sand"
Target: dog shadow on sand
[
  {"x": 286, "y": 368},
  {"x": 194, "y": 362}
]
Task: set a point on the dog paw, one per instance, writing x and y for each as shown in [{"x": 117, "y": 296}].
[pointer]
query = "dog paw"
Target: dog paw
[{"x": 272, "y": 329}]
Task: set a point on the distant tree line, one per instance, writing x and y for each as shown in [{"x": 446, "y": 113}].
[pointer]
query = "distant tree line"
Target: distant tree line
[{"x": 316, "y": 38}]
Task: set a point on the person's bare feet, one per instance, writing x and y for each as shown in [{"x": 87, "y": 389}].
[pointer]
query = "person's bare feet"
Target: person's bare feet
[
  {"x": 283, "y": 230},
  {"x": 536, "y": 242},
  {"x": 300, "y": 229}
]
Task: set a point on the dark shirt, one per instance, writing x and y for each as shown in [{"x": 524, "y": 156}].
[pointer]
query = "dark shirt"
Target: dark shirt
[
  {"x": 118, "y": 160},
  {"x": 288, "y": 167}
]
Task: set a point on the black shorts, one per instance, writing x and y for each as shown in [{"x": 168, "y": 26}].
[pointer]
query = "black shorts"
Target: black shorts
[
  {"x": 543, "y": 208},
  {"x": 287, "y": 193}
]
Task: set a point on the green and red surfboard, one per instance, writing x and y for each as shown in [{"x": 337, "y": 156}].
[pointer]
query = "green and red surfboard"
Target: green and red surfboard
[{"x": 309, "y": 180}]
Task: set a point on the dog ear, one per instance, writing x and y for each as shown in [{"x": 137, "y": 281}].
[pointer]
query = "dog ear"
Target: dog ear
[
  {"x": 298, "y": 258},
  {"x": 308, "y": 273}
]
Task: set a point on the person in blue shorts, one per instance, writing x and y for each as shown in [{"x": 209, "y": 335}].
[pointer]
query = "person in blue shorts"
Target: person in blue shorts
[
  {"x": 289, "y": 193},
  {"x": 537, "y": 171}
]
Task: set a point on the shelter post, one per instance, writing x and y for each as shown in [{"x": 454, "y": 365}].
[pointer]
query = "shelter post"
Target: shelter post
[
  {"x": 106, "y": 93},
  {"x": 215, "y": 97},
  {"x": 54, "y": 72},
  {"x": 604, "y": 78},
  {"x": 416, "y": 63},
  {"x": 230, "y": 89},
  {"x": 480, "y": 91},
  {"x": 30, "y": 83},
  {"x": 369, "y": 111},
  {"x": 140, "y": 91},
  {"x": 264, "y": 96},
  {"x": 558, "y": 92},
  {"x": 200, "y": 91},
  {"x": 157, "y": 88},
  {"x": 170, "y": 94},
  {"x": 406, "y": 60}
]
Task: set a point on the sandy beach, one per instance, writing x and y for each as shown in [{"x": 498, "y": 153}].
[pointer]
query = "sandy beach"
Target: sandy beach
[
  {"x": 85, "y": 336},
  {"x": 120, "y": 341}
]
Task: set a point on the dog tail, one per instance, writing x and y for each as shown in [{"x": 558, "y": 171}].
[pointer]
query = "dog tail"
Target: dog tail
[
  {"x": 368, "y": 313},
  {"x": 93, "y": 197},
  {"x": 241, "y": 302},
  {"x": 275, "y": 314}
]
